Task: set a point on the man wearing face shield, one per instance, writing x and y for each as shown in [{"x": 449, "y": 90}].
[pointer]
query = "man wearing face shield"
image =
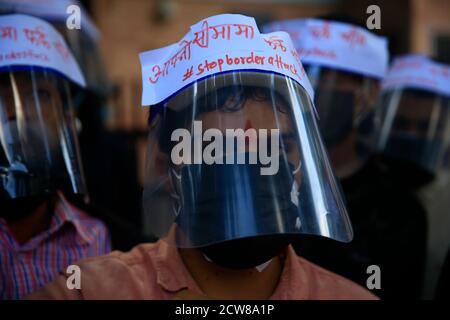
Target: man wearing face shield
[
  {"x": 414, "y": 133},
  {"x": 236, "y": 162},
  {"x": 109, "y": 158},
  {"x": 346, "y": 64},
  {"x": 39, "y": 160},
  {"x": 414, "y": 127}
]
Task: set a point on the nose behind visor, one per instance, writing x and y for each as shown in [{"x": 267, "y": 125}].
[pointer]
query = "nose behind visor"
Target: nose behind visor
[{"x": 229, "y": 201}]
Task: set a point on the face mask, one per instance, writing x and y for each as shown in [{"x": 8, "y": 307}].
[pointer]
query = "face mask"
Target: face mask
[
  {"x": 412, "y": 148},
  {"x": 419, "y": 153},
  {"x": 15, "y": 209},
  {"x": 237, "y": 207},
  {"x": 41, "y": 162},
  {"x": 248, "y": 252},
  {"x": 366, "y": 124},
  {"x": 335, "y": 109}
]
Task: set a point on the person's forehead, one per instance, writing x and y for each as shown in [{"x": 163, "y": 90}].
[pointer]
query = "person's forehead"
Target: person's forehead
[
  {"x": 24, "y": 79},
  {"x": 417, "y": 104},
  {"x": 328, "y": 73},
  {"x": 340, "y": 79},
  {"x": 257, "y": 112}
]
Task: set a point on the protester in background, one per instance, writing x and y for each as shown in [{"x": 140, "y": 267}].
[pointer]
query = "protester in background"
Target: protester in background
[
  {"x": 346, "y": 64},
  {"x": 414, "y": 133},
  {"x": 109, "y": 158},
  {"x": 41, "y": 232},
  {"x": 239, "y": 155},
  {"x": 414, "y": 119}
]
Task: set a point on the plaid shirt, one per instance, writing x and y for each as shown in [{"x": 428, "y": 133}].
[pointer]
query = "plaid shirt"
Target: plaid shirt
[{"x": 72, "y": 235}]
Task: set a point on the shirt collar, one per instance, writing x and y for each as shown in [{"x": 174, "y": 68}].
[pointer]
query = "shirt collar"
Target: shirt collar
[
  {"x": 65, "y": 212},
  {"x": 172, "y": 275}
]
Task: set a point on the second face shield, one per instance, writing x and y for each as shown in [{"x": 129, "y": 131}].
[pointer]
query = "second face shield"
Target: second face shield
[
  {"x": 238, "y": 155},
  {"x": 413, "y": 120},
  {"x": 38, "y": 147},
  {"x": 345, "y": 104},
  {"x": 415, "y": 127}
]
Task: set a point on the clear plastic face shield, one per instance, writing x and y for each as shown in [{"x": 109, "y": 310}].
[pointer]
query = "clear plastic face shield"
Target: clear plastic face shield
[
  {"x": 414, "y": 125},
  {"x": 86, "y": 51},
  {"x": 38, "y": 147},
  {"x": 90, "y": 102},
  {"x": 238, "y": 155},
  {"x": 345, "y": 104}
]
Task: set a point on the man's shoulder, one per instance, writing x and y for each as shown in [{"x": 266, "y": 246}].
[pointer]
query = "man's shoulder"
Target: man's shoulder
[
  {"x": 117, "y": 275},
  {"x": 324, "y": 284}
]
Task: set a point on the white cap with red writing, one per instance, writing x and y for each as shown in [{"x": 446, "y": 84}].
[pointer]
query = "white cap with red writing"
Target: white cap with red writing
[
  {"x": 418, "y": 72},
  {"x": 29, "y": 41},
  {"x": 337, "y": 45},
  {"x": 222, "y": 43}
]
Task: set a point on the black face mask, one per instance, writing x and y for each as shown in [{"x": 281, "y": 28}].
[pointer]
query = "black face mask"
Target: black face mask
[
  {"x": 410, "y": 147},
  {"x": 412, "y": 158},
  {"x": 336, "y": 111},
  {"x": 422, "y": 151},
  {"x": 17, "y": 180},
  {"x": 22, "y": 191},
  {"x": 15, "y": 209},
  {"x": 237, "y": 208},
  {"x": 247, "y": 252}
]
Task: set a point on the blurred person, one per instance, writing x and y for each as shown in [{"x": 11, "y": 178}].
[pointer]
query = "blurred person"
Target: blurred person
[
  {"x": 41, "y": 232},
  {"x": 114, "y": 195},
  {"x": 414, "y": 122},
  {"x": 414, "y": 119},
  {"x": 235, "y": 152},
  {"x": 346, "y": 64}
]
